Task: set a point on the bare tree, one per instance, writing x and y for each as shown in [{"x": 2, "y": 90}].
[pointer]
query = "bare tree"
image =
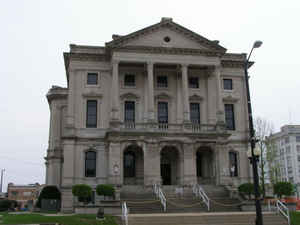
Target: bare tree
[{"x": 263, "y": 128}]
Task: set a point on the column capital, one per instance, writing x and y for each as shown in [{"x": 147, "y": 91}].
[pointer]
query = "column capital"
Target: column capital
[
  {"x": 115, "y": 62},
  {"x": 150, "y": 63},
  {"x": 184, "y": 65}
]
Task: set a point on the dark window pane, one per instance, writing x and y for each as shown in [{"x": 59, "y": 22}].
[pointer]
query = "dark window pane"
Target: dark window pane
[
  {"x": 193, "y": 82},
  {"x": 227, "y": 83},
  {"x": 92, "y": 78},
  {"x": 129, "y": 80},
  {"x": 129, "y": 111},
  {"x": 233, "y": 164},
  {"x": 162, "y": 112},
  {"x": 195, "y": 113},
  {"x": 90, "y": 164},
  {"x": 162, "y": 81},
  {"x": 91, "y": 114},
  {"x": 229, "y": 116},
  {"x": 129, "y": 164}
]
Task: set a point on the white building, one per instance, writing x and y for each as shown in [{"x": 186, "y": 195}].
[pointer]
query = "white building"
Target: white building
[
  {"x": 162, "y": 105},
  {"x": 287, "y": 145}
]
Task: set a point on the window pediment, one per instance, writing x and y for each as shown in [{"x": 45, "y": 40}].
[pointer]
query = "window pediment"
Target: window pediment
[
  {"x": 230, "y": 98},
  {"x": 129, "y": 95},
  {"x": 163, "y": 95},
  {"x": 195, "y": 97}
]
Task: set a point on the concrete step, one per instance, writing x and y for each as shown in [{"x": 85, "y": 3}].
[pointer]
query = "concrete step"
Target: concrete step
[{"x": 205, "y": 218}]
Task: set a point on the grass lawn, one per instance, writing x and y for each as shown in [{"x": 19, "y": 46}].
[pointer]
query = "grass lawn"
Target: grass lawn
[
  {"x": 295, "y": 218},
  {"x": 65, "y": 220}
]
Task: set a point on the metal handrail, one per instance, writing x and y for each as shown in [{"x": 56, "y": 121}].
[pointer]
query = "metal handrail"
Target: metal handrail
[
  {"x": 159, "y": 194},
  {"x": 125, "y": 213},
  {"x": 283, "y": 210},
  {"x": 199, "y": 192}
]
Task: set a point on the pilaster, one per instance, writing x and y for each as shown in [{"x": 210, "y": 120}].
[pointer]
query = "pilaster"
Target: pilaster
[
  {"x": 150, "y": 91},
  {"x": 189, "y": 161},
  {"x": 114, "y": 164},
  {"x": 185, "y": 93},
  {"x": 71, "y": 100},
  {"x": 151, "y": 164},
  {"x": 220, "y": 106},
  {"x": 115, "y": 111}
]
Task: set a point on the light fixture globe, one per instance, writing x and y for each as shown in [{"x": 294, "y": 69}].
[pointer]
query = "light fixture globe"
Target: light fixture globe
[
  {"x": 257, "y": 152},
  {"x": 257, "y": 44}
]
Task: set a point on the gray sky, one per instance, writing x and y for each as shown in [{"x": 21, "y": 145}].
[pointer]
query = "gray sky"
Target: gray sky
[{"x": 34, "y": 35}]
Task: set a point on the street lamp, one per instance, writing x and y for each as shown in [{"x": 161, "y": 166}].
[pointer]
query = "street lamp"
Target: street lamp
[{"x": 253, "y": 158}]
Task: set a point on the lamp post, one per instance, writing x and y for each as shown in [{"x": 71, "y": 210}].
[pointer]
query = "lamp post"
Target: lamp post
[
  {"x": 2, "y": 171},
  {"x": 253, "y": 158}
]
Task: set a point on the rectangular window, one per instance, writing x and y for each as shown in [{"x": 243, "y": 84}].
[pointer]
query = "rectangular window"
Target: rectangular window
[
  {"x": 193, "y": 82},
  {"x": 227, "y": 84},
  {"x": 129, "y": 80},
  {"x": 298, "y": 149},
  {"x": 298, "y": 158},
  {"x": 229, "y": 116},
  {"x": 195, "y": 113},
  {"x": 288, "y": 150},
  {"x": 233, "y": 164},
  {"x": 129, "y": 116},
  {"x": 91, "y": 114},
  {"x": 287, "y": 140},
  {"x": 297, "y": 138},
  {"x": 162, "y": 112},
  {"x": 162, "y": 81},
  {"x": 92, "y": 78}
]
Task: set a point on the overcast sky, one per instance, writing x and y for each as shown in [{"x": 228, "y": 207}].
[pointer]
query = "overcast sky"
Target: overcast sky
[{"x": 34, "y": 35}]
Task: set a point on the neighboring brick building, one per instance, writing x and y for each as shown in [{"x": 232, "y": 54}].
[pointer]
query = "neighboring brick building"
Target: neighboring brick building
[{"x": 23, "y": 194}]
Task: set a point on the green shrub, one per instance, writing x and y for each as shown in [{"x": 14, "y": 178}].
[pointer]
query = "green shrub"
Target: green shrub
[
  {"x": 246, "y": 189},
  {"x": 83, "y": 192},
  {"x": 7, "y": 204},
  {"x": 48, "y": 192},
  {"x": 105, "y": 190},
  {"x": 283, "y": 188}
]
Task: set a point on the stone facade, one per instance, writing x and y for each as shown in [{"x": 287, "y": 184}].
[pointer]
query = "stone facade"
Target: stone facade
[{"x": 149, "y": 145}]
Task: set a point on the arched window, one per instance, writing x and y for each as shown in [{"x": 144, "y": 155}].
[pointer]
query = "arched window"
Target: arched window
[
  {"x": 129, "y": 164},
  {"x": 90, "y": 164}
]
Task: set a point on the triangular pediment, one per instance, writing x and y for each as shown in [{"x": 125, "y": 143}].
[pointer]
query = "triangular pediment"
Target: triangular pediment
[{"x": 166, "y": 34}]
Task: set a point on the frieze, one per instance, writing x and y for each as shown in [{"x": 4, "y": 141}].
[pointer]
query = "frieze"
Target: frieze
[{"x": 164, "y": 50}]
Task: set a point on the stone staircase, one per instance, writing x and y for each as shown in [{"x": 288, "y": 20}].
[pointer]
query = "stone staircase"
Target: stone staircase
[
  {"x": 237, "y": 218},
  {"x": 141, "y": 200}
]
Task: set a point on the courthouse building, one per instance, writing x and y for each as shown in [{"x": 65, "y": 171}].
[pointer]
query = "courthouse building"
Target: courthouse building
[{"x": 162, "y": 105}]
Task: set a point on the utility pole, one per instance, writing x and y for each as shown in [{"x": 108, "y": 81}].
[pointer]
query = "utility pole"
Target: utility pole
[{"x": 2, "y": 171}]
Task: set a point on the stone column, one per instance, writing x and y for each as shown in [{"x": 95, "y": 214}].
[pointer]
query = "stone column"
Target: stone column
[
  {"x": 151, "y": 164},
  {"x": 179, "y": 100},
  {"x": 185, "y": 93},
  {"x": 220, "y": 107},
  {"x": 71, "y": 100},
  {"x": 69, "y": 163},
  {"x": 115, "y": 164},
  {"x": 150, "y": 92},
  {"x": 145, "y": 118},
  {"x": 115, "y": 115},
  {"x": 211, "y": 99},
  {"x": 189, "y": 161}
]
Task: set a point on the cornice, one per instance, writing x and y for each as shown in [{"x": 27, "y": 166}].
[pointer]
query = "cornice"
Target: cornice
[
  {"x": 129, "y": 95},
  {"x": 86, "y": 57},
  {"x": 165, "y": 50},
  {"x": 57, "y": 92}
]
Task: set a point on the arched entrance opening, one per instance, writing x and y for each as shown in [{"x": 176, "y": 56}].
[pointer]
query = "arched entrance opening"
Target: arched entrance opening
[
  {"x": 133, "y": 165},
  {"x": 169, "y": 166},
  {"x": 205, "y": 165}
]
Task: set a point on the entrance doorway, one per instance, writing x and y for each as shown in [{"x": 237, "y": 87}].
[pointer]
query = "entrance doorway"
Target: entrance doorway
[
  {"x": 133, "y": 165},
  {"x": 169, "y": 166},
  {"x": 205, "y": 165},
  {"x": 165, "y": 170}
]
